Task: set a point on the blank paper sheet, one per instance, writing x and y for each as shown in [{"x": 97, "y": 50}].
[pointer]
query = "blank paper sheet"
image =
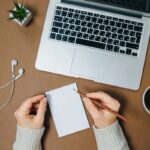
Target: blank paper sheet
[{"x": 67, "y": 110}]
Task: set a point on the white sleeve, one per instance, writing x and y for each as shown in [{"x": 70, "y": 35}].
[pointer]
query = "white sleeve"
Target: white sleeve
[
  {"x": 110, "y": 137},
  {"x": 28, "y": 139}
]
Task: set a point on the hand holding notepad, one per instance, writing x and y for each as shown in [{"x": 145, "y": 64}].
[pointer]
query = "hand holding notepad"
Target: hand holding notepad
[{"x": 67, "y": 110}]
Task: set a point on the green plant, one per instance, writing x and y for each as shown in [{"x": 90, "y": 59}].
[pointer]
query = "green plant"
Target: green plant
[{"x": 19, "y": 12}]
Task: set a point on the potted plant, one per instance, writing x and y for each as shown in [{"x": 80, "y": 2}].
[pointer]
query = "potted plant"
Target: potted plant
[{"x": 20, "y": 14}]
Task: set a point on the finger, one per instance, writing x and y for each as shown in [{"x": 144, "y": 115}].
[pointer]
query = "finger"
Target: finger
[
  {"x": 27, "y": 105},
  {"x": 101, "y": 96},
  {"x": 94, "y": 112},
  {"x": 106, "y": 99},
  {"x": 41, "y": 110},
  {"x": 36, "y": 99},
  {"x": 36, "y": 105}
]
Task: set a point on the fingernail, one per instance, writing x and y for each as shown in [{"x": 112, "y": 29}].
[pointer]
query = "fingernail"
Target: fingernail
[
  {"x": 45, "y": 95},
  {"x": 45, "y": 99}
]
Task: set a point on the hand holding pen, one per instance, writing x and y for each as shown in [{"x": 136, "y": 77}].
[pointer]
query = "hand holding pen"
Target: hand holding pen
[{"x": 104, "y": 110}]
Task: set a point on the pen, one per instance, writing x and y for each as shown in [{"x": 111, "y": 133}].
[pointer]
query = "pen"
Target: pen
[{"x": 103, "y": 106}]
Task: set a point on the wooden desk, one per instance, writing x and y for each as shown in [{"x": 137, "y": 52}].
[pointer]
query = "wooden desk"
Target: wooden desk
[{"x": 22, "y": 43}]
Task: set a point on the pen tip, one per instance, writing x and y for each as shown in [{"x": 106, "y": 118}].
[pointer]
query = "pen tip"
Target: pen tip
[{"x": 75, "y": 90}]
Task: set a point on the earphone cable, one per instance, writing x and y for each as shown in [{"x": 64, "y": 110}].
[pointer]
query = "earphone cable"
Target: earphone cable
[
  {"x": 14, "y": 78},
  {"x": 5, "y": 85},
  {"x": 10, "y": 96}
]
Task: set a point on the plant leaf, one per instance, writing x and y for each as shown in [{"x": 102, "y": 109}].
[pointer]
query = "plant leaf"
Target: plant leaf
[
  {"x": 16, "y": 4},
  {"x": 12, "y": 11},
  {"x": 22, "y": 4}
]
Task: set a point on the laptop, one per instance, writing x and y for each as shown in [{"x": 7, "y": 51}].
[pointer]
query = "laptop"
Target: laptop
[{"x": 100, "y": 40}]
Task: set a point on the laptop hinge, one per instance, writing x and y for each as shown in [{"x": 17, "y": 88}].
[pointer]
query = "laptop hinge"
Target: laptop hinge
[{"x": 99, "y": 7}]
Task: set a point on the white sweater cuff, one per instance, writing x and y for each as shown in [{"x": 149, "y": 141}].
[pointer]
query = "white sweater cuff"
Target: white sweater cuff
[
  {"x": 110, "y": 137},
  {"x": 28, "y": 139}
]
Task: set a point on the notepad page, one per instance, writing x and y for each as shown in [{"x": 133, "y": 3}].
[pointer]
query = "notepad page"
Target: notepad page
[{"x": 67, "y": 110}]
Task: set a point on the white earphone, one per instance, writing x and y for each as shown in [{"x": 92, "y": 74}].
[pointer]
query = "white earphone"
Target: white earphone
[
  {"x": 14, "y": 78},
  {"x": 13, "y": 64},
  {"x": 20, "y": 71}
]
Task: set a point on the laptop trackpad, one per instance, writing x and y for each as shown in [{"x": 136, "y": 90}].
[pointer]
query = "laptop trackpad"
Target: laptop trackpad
[{"x": 90, "y": 63}]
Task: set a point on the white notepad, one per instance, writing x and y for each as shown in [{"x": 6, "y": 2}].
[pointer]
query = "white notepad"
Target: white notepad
[{"x": 67, "y": 110}]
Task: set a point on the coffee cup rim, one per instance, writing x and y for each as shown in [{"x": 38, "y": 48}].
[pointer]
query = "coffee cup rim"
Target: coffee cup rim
[{"x": 148, "y": 111}]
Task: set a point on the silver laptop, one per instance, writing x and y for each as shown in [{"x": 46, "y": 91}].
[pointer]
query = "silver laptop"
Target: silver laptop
[{"x": 100, "y": 40}]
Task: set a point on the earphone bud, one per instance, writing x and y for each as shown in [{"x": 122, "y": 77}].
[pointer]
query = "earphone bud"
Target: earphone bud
[
  {"x": 21, "y": 72},
  {"x": 13, "y": 64}
]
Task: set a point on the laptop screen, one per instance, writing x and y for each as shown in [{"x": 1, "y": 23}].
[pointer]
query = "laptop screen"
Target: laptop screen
[{"x": 139, "y": 5}]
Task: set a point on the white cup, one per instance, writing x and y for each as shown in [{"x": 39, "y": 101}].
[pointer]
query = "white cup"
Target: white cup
[{"x": 146, "y": 100}]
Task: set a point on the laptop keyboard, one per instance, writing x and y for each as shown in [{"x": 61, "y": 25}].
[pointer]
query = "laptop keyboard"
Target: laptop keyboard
[{"x": 95, "y": 30}]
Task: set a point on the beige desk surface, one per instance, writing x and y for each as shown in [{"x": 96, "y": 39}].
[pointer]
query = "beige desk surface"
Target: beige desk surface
[{"x": 22, "y": 43}]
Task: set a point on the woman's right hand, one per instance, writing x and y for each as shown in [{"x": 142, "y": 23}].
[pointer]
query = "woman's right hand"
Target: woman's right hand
[{"x": 102, "y": 118}]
